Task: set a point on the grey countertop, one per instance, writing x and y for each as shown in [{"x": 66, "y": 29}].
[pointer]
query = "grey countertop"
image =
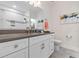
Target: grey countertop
[{"x": 18, "y": 36}]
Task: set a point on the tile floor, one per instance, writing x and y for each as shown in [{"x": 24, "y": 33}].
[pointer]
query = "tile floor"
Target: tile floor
[{"x": 64, "y": 53}]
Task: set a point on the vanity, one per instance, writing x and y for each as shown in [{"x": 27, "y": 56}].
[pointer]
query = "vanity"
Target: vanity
[
  {"x": 35, "y": 45},
  {"x": 14, "y": 40}
]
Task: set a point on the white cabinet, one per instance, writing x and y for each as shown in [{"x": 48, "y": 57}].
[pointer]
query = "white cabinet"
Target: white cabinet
[
  {"x": 13, "y": 46},
  {"x": 45, "y": 49},
  {"x": 35, "y": 51},
  {"x": 51, "y": 43},
  {"x": 39, "y": 48},
  {"x": 20, "y": 54}
]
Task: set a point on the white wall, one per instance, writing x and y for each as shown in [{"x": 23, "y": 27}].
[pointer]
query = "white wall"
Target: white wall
[{"x": 61, "y": 30}]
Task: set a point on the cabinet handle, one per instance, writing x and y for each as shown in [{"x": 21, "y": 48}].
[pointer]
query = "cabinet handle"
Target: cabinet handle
[
  {"x": 12, "y": 25},
  {"x": 43, "y": 46},
  {"x": 51, "y": 49},
  {"x": 15, "y": 46}
]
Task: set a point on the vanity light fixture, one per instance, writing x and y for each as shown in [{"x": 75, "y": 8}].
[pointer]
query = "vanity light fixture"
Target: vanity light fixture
[{"x": 35, "y": 3}]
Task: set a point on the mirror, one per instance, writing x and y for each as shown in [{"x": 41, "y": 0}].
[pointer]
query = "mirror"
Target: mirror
[
  {"x": 37, "y": 16},
  {"x": 20, "y": 15}
]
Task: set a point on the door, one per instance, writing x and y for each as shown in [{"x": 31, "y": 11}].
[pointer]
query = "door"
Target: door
[{"x": 45, "y": 50}]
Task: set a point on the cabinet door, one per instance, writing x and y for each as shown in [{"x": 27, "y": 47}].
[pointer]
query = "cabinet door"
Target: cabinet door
[
  {"x": 51, "y": 44},
  {"x": 35, "y": 51},
  {"x": 40, "y": 50},
  {"x": 45, "y": 50},
  {"x": 51, "y": 47},
  {"x": 20, "y": 54}
]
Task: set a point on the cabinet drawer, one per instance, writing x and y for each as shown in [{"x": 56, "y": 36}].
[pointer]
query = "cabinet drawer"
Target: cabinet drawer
[
  {"x": 35, "y": 40},
  {"x": 19, "y": 54},
  {"x": 12, "y": 46},
  {"x": 40, "y": 50},
  {"x": 46, "y": 50}
]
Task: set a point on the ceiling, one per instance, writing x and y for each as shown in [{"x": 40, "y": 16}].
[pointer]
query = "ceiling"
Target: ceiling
[{"x": 20, "y": 6}]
